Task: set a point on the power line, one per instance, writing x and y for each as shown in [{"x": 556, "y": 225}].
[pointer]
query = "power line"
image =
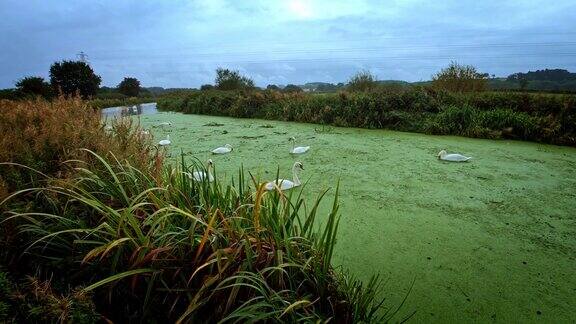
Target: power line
[
  {"x": 226, "y": 45},
  {"x": 373, "y": 58},
  {"x": 268, "y": 51}
]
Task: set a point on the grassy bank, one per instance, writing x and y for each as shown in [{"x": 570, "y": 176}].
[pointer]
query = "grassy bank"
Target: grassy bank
[
  {"x": 488, "y": 241},
  {"x": 111, "y": 233},
  {"x": 98, "y": 103},
  {"x": 533, "y": 117}
]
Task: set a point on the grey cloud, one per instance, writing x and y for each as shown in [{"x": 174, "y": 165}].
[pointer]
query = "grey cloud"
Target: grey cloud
[{"x": 180, "y": 43}]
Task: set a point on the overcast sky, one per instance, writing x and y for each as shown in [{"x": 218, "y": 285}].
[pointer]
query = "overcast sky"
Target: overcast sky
[{"x": 180, "y": 43}]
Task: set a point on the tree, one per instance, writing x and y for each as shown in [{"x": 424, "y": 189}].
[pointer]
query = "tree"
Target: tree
[
  {"x": 292, "y": 88},
  {"x": 70, "y": 77},
  {"x": 129, "y": 87},
  {"x": 232, "y": 80},
  {"x": 362, "y": 81},
  {"x": 206, "y": 87},
  {"x": 35, "y": 86},
  {"x": 273, "y": 87},
  {"x": 460, "y": 78}
]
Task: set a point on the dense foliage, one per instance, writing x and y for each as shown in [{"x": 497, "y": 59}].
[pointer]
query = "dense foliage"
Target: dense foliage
[
  {"x": 535, "y": 117},
  {"x": 129, "y": 87},
  {"x": 34, "y": 86},
  {"x": 72, "y": 77},
  {"x": 112, "y": 234}
]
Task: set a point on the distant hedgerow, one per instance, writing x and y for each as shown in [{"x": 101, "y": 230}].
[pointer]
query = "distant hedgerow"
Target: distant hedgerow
[{"x": 535, "y": 117}]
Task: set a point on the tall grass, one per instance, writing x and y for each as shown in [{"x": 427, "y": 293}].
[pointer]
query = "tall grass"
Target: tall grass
[
  {"x": 43, "y": 134},
  {"x": 535, "y": 117},
  {"x": 158, "y": 248},
  {"x": 472, "y": 122}
]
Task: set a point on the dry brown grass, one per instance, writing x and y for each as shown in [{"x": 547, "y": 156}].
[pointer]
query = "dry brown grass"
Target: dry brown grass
[{"x": 42, "y": 135}]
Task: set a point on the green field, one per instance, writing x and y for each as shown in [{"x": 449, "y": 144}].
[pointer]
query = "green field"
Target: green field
[{"x": 490, "y": 240}]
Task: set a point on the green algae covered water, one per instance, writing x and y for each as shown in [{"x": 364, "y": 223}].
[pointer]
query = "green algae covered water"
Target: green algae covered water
[{"x": 492, "y": 240}]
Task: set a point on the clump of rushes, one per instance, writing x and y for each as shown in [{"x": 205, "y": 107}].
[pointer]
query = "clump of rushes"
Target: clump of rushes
[{"x": 169, "y": 248}]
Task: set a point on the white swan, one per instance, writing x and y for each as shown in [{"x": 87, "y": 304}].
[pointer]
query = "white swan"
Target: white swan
[
  {"x": 298, "y": 149},
  {"x": 223, "y": 149},
  {"x": 165, "y": 124},
  {"x": 165, "y": 142},
  {"x": 201, "y": 175},
  {"x": 284, "y": 184},
  {"x": 452, "y": 157}
]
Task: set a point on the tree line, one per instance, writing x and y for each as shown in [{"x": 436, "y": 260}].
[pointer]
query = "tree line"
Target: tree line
[
  {"x": 77, "y": 77},
  {"x": 456, "y": 78},
  {"x": 70, "y": 78}
]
